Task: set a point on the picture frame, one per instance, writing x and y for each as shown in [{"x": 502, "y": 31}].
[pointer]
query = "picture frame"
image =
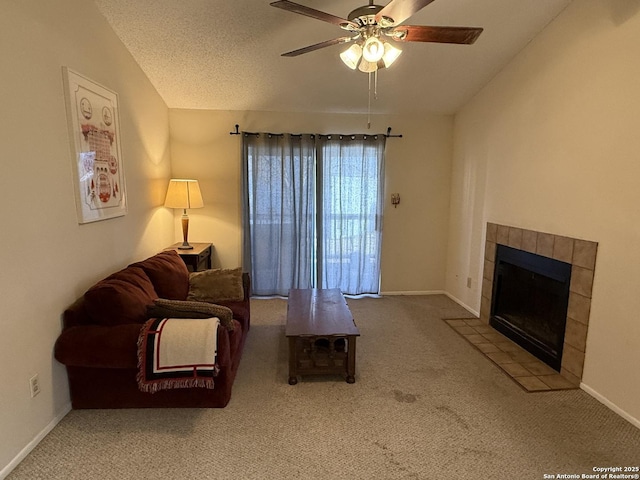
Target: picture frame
[{"x": 97, "y": 163}]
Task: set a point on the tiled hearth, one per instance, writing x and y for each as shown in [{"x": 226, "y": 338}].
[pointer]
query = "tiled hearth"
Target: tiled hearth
[{"x": 528, "y": 371}]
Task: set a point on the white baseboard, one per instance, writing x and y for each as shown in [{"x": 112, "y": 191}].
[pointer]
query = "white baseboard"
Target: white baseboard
[
  {"x": 462, "y": 304},
  {"x": 414, "y": 292},
  {"x": 33, "y": 443},
  {"x": 606, "y": 402}
]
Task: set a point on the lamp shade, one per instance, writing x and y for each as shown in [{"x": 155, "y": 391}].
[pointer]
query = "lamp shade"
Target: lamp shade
[
  {"x": 367, "y": 67},
  {"x": 391, "y": 54},
  {"x": 351, "y": 56},
  {"x": 183, "y": 193}
]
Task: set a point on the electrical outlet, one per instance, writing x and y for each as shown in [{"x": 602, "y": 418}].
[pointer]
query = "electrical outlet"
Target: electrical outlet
[
  {"x": 34, "y": 385},
  {"x": 469, "y": 282}
]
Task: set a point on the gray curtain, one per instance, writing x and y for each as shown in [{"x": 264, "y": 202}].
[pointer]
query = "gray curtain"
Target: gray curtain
[
  {"x": 351, "y": 172},
  {"x": 313, "y": 211},
  {"x": 279, "y": 217}
]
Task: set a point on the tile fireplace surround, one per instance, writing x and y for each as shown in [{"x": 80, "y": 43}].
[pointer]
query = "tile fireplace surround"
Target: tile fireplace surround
[{"x": 581, "y": 254}]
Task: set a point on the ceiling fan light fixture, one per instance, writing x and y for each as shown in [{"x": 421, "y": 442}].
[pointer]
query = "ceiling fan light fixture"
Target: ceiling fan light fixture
[
  {"x": 391, "y": 54},
  {"x": 351, "y": 56},
  {"x": 373, "y": 49}
]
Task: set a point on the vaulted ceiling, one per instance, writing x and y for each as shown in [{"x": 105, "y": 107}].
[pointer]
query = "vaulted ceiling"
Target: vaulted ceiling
[{"x": 226, "y": 54}]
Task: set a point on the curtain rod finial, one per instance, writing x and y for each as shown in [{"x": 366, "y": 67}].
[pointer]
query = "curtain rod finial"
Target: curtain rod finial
[{"x": 389, "y": 134}]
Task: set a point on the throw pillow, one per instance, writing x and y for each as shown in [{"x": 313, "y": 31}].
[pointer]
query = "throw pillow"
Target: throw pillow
[
  {"x": 165, "y": 308},
  {"x": 217, "y": 285}
]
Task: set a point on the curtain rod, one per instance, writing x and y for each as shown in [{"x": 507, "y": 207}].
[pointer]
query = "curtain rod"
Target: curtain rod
[{"x": 238, "y": 132}]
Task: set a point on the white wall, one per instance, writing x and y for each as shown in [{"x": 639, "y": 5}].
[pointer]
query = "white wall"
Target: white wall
[
  {"x": 417, "y": 167},
  {"x": 552, "y": 144},
  {"x": 47, "y": 258}
]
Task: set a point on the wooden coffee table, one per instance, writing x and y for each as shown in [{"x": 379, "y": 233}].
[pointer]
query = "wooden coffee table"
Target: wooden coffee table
[{"x": 322, "y": 334}]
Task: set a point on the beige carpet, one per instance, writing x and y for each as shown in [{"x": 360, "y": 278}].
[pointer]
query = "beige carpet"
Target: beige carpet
[{"x": 426, "y": 404}]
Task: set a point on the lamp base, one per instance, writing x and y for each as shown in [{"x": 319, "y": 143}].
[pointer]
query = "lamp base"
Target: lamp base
[{"x": 185, "y": 232}]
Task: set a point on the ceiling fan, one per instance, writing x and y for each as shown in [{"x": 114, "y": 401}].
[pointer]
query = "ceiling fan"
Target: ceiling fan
[{"x": 371, "y": 25}]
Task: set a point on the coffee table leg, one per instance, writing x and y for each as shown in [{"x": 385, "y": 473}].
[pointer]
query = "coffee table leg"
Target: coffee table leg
[
  {"x": 293, "y": 371},
  {"x": 351, "y": 360}
]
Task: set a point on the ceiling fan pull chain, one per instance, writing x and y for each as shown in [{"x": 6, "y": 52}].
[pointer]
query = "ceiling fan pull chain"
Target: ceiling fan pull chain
[
  {"x": 369, "y": 105},
  {"x": 375, "y": 85}
]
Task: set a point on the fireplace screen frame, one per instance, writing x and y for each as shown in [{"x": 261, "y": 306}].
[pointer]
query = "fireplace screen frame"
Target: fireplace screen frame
[{"x": 554, "y": 273}]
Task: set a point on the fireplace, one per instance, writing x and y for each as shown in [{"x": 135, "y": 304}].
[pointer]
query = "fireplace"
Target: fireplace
[
  {"x": 579, "y": 254},
  {"x": 530, "y": 300}
]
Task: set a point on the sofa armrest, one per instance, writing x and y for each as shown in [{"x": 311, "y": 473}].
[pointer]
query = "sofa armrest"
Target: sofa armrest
[{"x": 99, "y": 346}]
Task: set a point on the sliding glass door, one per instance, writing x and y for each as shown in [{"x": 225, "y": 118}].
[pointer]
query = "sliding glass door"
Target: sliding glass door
[{"x": 313, "y": 210}]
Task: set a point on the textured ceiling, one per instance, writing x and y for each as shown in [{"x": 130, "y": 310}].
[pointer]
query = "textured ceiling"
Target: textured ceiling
[{"x": 225, "y": 55}]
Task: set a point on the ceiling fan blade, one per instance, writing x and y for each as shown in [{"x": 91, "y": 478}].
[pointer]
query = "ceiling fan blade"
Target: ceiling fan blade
[
  {"x": 419, "y": 33},
  {"x": 313, "y": 13},
  {"x": 400, "y": 10},
  {"x": 318, "y": 46}
]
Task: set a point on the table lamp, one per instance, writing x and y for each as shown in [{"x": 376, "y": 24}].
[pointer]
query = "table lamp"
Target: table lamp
[{"x": 184, "y": 193}]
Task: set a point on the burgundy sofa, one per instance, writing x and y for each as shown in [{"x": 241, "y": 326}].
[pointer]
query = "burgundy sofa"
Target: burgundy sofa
[{"x": 98, "y": 343}]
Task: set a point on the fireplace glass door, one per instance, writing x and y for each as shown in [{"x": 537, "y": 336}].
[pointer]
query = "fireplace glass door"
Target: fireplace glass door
[{"x": 530, "y": 299}]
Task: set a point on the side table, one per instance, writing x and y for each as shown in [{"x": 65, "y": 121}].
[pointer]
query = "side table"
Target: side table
[{"x": 196, "y": 259}]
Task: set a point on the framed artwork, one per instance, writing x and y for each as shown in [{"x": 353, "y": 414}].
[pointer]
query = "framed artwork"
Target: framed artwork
[{"x": 94, "y": 130}]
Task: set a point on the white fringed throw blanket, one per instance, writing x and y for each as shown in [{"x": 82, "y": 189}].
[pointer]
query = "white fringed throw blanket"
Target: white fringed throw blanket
[{"x": 177, "y": 353}]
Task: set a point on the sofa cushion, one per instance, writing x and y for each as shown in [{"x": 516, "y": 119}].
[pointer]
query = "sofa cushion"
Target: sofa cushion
[
  {"x": 216, "y": 285},
  {"x": 121, "y": 298},
  {"x": 168, "y": 274}
]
